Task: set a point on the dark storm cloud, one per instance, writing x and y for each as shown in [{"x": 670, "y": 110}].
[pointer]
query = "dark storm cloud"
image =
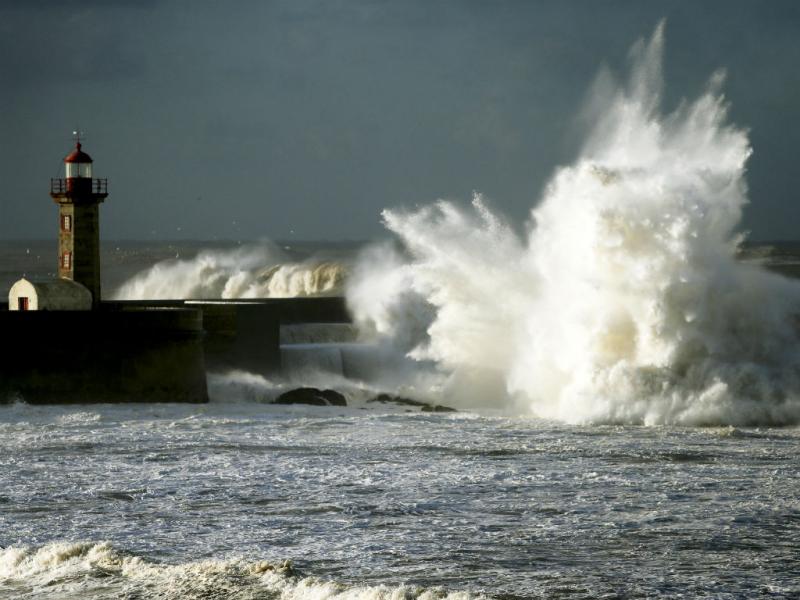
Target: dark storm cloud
[
  {"x": 241, "y": 119},
  {"x": 73, "y": 5},
  {"x": 63, "y": 42}
]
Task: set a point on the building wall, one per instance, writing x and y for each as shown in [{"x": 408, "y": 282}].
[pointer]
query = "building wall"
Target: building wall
[
  {"x": 23, "y": 288},
  {"x": 65, "y": 239},
  {"x": 81, "y": 242}
]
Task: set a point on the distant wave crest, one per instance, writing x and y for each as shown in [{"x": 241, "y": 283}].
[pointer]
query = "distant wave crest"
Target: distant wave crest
[{"x": 254, "y": 271}]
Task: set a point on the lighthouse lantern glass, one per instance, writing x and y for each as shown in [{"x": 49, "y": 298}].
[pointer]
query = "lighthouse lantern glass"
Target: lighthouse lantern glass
[{"x": 79, "y": 170}]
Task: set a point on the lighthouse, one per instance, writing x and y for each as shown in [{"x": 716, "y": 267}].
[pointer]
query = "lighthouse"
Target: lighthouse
[{"x": 78, "y": 196}]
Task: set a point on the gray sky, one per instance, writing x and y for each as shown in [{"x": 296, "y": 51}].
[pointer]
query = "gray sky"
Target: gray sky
[{"x": 303, "y": 119}]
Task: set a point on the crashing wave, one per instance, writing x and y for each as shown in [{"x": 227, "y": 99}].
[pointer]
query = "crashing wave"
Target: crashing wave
[
  {"x": 98, "y": 570},
  {"x": 255, "y": 271},
  {"x": 624, "y": 303}
]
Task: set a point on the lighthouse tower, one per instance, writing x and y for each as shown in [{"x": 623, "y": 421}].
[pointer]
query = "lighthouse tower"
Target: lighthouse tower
[{"x": 78, "y": 196}]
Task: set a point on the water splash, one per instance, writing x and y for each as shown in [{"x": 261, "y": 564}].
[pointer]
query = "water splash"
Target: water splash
[
  {"x": 624, "y": 303},
  {"x": 253, "y": 271}
]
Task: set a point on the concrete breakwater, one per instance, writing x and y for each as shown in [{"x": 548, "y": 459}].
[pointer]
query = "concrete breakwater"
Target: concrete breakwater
[{"x": 146, "y": 351}]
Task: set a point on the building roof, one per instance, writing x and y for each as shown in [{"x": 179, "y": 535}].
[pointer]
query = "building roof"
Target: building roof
[{"x": 78, "y": 156}]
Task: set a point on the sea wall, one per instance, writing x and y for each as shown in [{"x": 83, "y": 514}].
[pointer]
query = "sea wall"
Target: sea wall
[
  {"x": 146, "y": 351},
  {"x": 138, "y": 355},
  {"x": 324, "y": 309},
  {"x": 241, "y": 336},
  {"x": 245, "y": 334}
]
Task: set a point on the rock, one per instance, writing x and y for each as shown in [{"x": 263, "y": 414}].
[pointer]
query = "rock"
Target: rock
[
  {"x": 423, "y": 406},
  {"x": 389, "y": 399},
  {"x": 334, "y": 398},
  {"x": 437, "y": 408},
  {"x": 312, "y": 396}
]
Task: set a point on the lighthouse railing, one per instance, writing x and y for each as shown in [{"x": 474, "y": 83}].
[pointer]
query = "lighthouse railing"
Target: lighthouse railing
[{"x": 65, "y": 186}]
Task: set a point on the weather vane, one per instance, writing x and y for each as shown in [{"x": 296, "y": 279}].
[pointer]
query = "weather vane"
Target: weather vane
[{"x": 78, "y": 135}]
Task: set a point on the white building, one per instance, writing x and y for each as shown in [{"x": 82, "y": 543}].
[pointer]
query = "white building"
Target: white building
[{"x": 53, "y": 294}]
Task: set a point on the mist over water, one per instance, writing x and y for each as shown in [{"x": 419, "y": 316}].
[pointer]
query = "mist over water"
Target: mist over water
[{"x": 624, "y": 301}]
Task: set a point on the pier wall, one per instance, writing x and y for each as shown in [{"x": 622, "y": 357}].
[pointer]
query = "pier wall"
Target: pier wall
[
  {"x": 146, "y": 351},
  {"x": 245, "y": 333},
  {"x": 143, "y": 355}
]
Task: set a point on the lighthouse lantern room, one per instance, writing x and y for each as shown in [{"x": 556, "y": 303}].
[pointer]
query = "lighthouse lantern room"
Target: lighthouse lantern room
[{"x": 78, "y": 197}]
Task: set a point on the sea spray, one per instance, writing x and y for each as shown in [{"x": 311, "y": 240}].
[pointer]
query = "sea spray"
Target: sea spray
[
  {"x": 624, "y": 303},
  {"x": 259, "y": 270}
]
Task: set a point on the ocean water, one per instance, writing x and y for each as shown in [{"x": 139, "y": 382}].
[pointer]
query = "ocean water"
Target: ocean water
[
  {"x": 626, "y": 371},
  {"x": 171, "y": 501}
]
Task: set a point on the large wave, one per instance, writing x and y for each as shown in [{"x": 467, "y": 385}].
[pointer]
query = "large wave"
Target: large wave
[
  {"x": 253, "y": 271},
  {"x": 624, "y": 301},
  {"x": 98, "y": 570}
]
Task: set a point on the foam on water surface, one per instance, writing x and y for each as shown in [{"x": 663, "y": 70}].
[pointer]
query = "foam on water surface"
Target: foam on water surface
[
  {"x": 198, "y": 501},
  {"x": 97, "y": 570}
]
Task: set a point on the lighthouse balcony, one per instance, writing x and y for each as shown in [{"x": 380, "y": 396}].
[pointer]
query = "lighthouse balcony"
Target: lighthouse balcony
[{"x": 81, "y": 185}]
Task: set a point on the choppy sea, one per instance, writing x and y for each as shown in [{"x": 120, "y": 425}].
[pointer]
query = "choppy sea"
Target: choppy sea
[{"x": 242, "y": 499}]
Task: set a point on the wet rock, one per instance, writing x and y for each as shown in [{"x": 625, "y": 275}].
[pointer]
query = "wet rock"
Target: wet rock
[
  {"x": 399, "y": 400},
  {"x": 389, "y": 399},
  {"x": 312, "y": 396},
  {"x": 438, "y": 408}
]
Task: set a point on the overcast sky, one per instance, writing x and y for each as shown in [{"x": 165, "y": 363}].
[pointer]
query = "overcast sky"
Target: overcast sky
[{"x": 302, "y": 119}]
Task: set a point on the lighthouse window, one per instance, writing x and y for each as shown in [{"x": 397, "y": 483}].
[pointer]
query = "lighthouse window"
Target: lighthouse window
[
  {"x": 66, "y": 260},
  {"x": 66, "y": 222},
  {"x": 79, "y": 170}
]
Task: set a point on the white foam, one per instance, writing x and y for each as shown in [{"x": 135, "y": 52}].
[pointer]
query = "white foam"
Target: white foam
[
  {"x": 625, "y": 302},
  {"x": 253, "y": 271},
  {"x": 242, "y": 386},
  {"x": 75, "y": 570}
]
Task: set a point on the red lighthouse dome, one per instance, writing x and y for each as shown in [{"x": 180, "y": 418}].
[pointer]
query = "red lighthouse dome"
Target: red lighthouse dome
[
  {"x": 79, "y": 164},
  {"x": 77, "y": 156}
]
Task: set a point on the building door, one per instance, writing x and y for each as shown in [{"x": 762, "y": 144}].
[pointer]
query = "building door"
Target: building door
[{"x": 22, "y": 303}]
